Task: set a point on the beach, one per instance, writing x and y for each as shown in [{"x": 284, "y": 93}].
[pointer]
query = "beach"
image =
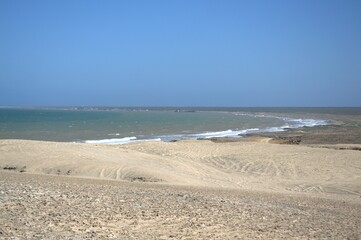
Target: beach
[
  {"x": 181, "y": 120},
  {"x": 302, "y": 183}
]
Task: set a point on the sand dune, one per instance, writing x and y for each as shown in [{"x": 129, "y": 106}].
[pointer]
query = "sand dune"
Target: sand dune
[
  {"x": 255, "y": 165},
  {"x": 179, "y": 190}
]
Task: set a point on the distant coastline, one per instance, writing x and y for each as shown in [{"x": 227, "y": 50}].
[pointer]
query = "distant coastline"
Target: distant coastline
[{"x": 326, "y": 110}]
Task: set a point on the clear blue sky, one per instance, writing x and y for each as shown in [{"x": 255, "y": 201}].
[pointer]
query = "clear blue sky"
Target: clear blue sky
[{"x": 180, "y": 53}]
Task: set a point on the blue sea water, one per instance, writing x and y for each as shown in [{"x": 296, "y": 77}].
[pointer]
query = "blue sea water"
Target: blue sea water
[{"x": 118, "y": 126}]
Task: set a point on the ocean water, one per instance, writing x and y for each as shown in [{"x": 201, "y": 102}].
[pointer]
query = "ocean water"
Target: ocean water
[{"x": 119, "y": 126}]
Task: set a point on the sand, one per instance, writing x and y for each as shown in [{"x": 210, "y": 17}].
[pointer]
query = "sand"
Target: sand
[{"x": 195, "y": 189}]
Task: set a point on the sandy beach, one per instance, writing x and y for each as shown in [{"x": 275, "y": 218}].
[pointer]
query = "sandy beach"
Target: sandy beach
[
  {"x": 257, "y": 187},
  {"x": 181, "y": 120}
]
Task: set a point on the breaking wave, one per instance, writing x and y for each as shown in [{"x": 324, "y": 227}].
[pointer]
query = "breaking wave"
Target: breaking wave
[
  {"x": 125, "y": 140},
  {"x": 290, "y": 123},
  {"x": 296, "y": 123}
]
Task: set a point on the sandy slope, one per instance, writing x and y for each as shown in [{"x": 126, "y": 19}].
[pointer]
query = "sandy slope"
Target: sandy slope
[
  {"x": 182, "y": 190},
  {"x": 255, "y": 165},
  {"x": 58, "y": 207}
]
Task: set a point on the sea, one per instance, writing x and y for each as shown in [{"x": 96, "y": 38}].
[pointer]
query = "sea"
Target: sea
[{"x": 107, "y": 125}]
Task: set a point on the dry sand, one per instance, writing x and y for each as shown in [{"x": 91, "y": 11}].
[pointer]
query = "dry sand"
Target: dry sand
[{"x": 183, "y": 190}]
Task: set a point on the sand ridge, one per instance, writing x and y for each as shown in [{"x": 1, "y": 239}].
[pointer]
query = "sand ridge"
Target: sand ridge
[
  {"x": 255, "y": 165},
  {"x": 192, "y": 189}
]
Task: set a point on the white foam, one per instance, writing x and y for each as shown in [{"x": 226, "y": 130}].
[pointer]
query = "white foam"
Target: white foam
[
  {"x": 309, "y": 122},
  {"x": 112, "y": 140},
  {"x": 213, "y": 134},
  {"x": 117, "y": 141},
  {"x": 273, "y": 129},
  {"x": 228, "y": 133},
  {"x": 289, "y": 124},
  {"x": 292, "y": 123}
]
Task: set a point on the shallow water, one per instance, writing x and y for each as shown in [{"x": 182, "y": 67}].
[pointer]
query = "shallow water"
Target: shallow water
[{"x": 125, "y": 125}]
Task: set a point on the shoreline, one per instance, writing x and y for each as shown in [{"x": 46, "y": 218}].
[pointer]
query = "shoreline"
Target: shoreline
[
  {"x": 300, "y": 183},
  {"x": 289, "y": 124},
  {"x": 291, "y": 119},
  {"x": 341, "y": 134},
  {"x": 230, "y": 163}
]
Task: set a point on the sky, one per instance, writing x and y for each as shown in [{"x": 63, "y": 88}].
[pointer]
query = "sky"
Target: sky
[{"x": 180, "y": 53}]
